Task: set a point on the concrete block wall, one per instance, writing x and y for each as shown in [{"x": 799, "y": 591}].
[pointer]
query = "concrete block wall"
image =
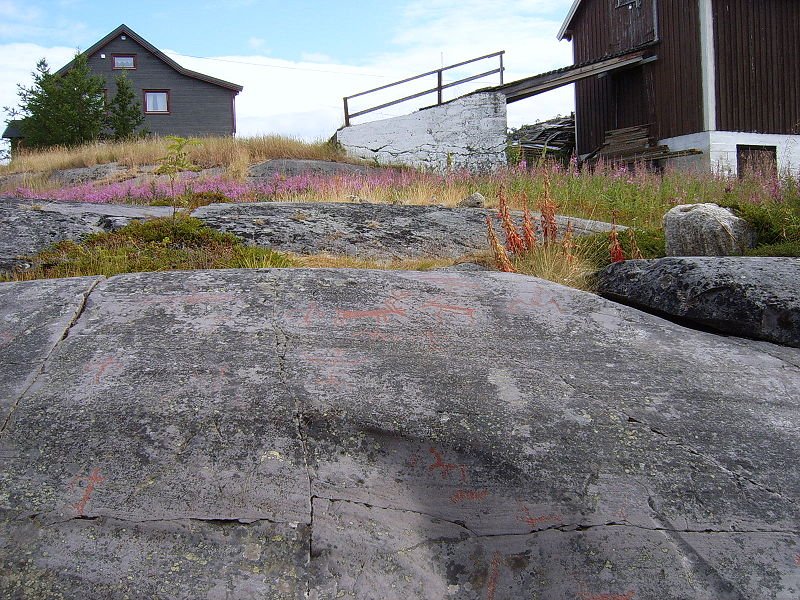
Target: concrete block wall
[
  {"x": 466, "y": 133},
  {"x": 719, "y": 150}
]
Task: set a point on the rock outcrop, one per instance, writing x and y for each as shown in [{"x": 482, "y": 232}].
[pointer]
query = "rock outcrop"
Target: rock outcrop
[
  {"x": 30, "y": 226},
  {"x": 744, "y": 296},
  {"x": 366, "y": 230},
  {"x": 706, "y": 230},
  {"x": 291, "y": 167},
  {"x": 327, "y": 434}
]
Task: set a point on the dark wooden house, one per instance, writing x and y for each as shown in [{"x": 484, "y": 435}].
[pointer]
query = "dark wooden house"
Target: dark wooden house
[
  {"x": 721, "y": 76},
  {"x": 175, "y": 100}
]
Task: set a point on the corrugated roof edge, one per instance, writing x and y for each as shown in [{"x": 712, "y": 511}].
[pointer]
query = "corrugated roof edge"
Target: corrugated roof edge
[{"x": 124, "y": 29}]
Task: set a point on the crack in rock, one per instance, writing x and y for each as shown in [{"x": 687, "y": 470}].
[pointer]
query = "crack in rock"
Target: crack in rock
[
  {"x": 739, "y": 477},
  {"x": 73, "y": 320}
]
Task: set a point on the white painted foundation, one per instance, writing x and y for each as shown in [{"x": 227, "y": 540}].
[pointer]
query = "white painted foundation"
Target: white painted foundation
[
  {"x": 466, "y": 133},
  {"x": 719, "y": 150}
]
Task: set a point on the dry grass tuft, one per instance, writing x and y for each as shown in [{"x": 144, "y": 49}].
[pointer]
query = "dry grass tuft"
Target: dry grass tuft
[
  {"x": 231, "y": 153},
  {"x": 560, "y": 262}
]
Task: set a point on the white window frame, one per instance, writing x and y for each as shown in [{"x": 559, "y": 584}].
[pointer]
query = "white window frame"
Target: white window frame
[
  {"x": 166, "y": 111},
  {"x": 115, "y": 67}
]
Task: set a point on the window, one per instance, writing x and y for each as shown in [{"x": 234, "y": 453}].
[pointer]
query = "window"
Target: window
[
  {"x": 629, "y": 3},
  {"x": 124, "y": 61},
  {"x": 156, "y": 101},
  {"x": 756, "y": 160}
]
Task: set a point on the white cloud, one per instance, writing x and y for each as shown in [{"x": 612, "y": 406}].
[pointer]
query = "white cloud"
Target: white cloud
[
  {"x": 257, "y": 43},
  {"x": 304, "y": 98}
]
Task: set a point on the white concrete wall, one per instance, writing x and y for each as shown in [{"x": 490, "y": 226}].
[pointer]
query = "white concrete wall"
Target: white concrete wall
[
  {"x": 719, "y": 150},
  {"x": 466, "y": 133}
]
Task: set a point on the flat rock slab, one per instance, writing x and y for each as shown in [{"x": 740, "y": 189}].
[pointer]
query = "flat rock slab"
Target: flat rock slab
[
  {"x": 744, "y": 296},
  {"x": 362, "y": 434},
  {"x": 34, "y": 317},
  {"x": 30, "y": 226},
  {"x": 290, "y": 167},
  {"x": 366, "y": 230}
]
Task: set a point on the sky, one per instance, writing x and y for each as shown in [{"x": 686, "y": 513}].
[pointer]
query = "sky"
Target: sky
[{"x": 298, "y": 59}]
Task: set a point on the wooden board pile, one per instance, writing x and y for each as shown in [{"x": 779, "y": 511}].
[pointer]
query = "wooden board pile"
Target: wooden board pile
[{"x": 634, "y": 144}]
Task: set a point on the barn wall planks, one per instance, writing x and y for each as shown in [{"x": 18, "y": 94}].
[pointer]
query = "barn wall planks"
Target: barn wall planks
[
  {"x": 666, "y": 93},
  {"x": 758, "y": 65}
]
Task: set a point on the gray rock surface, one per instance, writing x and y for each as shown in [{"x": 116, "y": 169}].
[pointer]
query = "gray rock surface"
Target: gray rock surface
[
  {"x": 370, "y": 230},
  {"x": 30, "y": 226},
  {"x": 33, "y": 319},
  {"x": 361, "y": 434},
  {"x": 745, "y": 296},
  {"x": 706, "y": 230},
  {"x": 80, "y": 175},
  {"x": 291, "y": 167}
]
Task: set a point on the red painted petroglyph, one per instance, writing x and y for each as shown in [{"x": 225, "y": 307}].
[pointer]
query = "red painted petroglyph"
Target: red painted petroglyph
[
  {"x": 5, "y": 337},
  {"x": 446, "y": 468},
  {"x": 797, "y": 560},
  {"x": 440, "y": 310},
  {"x": 494, "y": 576},
  {"x": 543, "y": 300},
  {"x": 91, "y": 482},
  {"x": 389, "y": 310},
  {"x": 536, "y": 520},
  {"x": 102, "y": 366},
  {"x": 468, "y": 495}
]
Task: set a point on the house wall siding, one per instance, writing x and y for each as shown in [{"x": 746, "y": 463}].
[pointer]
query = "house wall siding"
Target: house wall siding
[
  {"x": 196, "y": 107},
  {"x": 666, "y": 93},
  {"x": 758, "y": 65}
]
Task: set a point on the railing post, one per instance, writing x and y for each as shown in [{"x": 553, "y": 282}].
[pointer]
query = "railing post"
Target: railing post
[
  {"x": 501, "y": 69},
  {"x": 346, "y": 114},
  {"x": 439, "y": 85}
]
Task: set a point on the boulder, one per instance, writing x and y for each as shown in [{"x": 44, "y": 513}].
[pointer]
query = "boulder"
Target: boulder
[
  {"x": 706, "y": 230},
  {"x": 745, "y": 296},
  {"x": 475, "y": 200},
  {"x": 364, "y": 434}
]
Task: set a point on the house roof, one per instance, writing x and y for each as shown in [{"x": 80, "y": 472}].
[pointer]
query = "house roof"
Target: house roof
[
  {"x": 125, "y": 30},
  {"x": 13, "y": 130},
  {"x": 563, "y": 32}
]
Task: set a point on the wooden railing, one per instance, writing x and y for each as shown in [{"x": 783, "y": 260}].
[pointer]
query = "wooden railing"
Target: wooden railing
[{"x": 440, "y": 85}]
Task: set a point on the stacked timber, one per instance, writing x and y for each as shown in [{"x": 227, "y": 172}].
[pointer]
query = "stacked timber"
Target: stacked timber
[{"x": 634, "y": 144}]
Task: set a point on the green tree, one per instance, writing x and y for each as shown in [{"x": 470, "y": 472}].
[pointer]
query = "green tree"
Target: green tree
[
  {"x": 62, "y": 110},
  {"x": 125, "y": 114}
]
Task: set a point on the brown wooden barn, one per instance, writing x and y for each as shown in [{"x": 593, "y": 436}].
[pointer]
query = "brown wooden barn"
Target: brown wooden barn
[{"x": 721, "y": 76}]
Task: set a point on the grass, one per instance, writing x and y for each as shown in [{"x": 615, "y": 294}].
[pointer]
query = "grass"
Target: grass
[
  {"x": 637, "y": 198},
  {"x": 234, "y": 154},
  {"x": 161, "y": 244}
]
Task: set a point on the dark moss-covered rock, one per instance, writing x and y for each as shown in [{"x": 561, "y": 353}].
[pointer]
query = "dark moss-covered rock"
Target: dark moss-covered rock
[{"x": 756, "y": 297}]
